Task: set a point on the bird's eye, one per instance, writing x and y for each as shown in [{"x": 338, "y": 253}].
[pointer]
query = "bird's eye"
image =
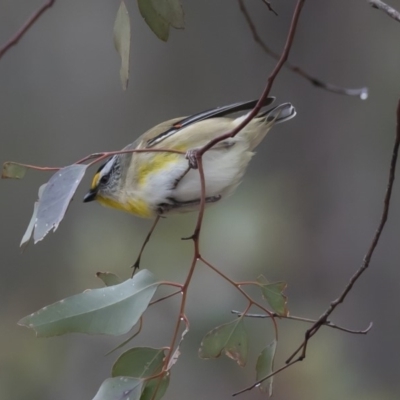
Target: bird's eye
[{"x": 104, "y": 179}]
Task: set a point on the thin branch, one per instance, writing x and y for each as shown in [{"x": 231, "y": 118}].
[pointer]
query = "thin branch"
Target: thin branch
[
  {"x": 380, "y": 5},
  {"x": 17, "y": 37},
  {"x": 362, "y": 93},
  {"x": 367, "y": 258},
  {"x": 270, "y": 81},
  {"x": 308, "y": 320},
  {"x": 269, "y": 5}
]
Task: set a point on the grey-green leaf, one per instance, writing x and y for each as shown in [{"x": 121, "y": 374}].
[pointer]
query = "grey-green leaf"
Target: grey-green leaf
[
  {"x": 143, "y": 362},
  {"x": 230, "y": 338},
  {"x": 264, "y": 367},
  {"x": 139, "y": 362},
  {"x": 171, "y": 11},
  {"x": 55, "y": 199},
  {"x": 12, "y": 170},
  {"x": 122, "y": 41},
  {"x": 273, "y": 293},
  {"x": 156, "y": 23},
  {"x": 121, "y": 388},
  {"x": 108, "y": 278},
  {"x": 29, "y": 230},
  {"x": 111, "y": 310}
]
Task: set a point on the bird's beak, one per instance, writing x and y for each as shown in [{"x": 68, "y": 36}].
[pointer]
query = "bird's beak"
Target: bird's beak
[{"x": 90, "y": 195}]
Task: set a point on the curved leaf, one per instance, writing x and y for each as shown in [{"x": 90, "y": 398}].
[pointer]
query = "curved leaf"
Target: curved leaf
[
  {"x": 153, "y": 19},
  {"x": 230, "y": 338},
  {"x": 13, "y": 170},
  {"x": 265, "y": 364},
  {"x": 111, "y": 310},
  {"x": 170, "y": 11},
  {"x": 55, "y": 199}
]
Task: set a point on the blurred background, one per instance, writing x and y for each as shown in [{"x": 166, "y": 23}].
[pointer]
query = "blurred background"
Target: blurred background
[{"x": 305, "y": 213}]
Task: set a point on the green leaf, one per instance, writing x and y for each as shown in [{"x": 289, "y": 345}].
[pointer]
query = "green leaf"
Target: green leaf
[
  {"x": 139, "y": 362},
  {"x": 112, "y": 310},
  {"x": 122, "y": 41},
  {"x": 121, "y": 388},
  {"x": 29, "y": 230},
  {"x": 170, "y": 11},
  {"x": 230, "y": 338},
  {"x": 108, "y": 278},
  {"x": 55, "y": 199},
  {"x": 264, "y": 367},
  {"x": 143, "y": 362},
  {"x": 12, "y": 170},
  {"x": 156, "y": 23},
  {"x": 153, "y": 385},
  {"x": 273, "y": 293}
]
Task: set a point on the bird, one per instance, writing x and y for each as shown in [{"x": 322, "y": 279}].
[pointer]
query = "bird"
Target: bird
[{"x": 153, "y": 184}]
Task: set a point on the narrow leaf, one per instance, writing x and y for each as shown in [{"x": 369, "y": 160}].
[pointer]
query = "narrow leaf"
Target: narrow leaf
[
  {"x": 29, "y": 230},
  {"x": 108, "y": 278},
  {"x": 264, "y": 367},
  {"x": 230, "y": 338},
  {"x": 121, "y": 388},
  {"x": 177, "y": 351},
  {"x": 12, "y": 170},
  {"x": 139, "y": 362},
  {"x": 273, "y": 293},
  {"x": 170, "y": 11},
  {"x": 55, "y": 199},
  {"x": 112, "y": 310},
  {"x": 156, "y": 23},
  {"x": 122, "y": 41}
]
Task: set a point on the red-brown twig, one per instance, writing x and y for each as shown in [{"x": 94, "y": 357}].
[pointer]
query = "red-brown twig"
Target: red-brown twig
[
  {"x": 33, "y": 18},
  {"x": 270, "y": 81},
  {"x": 380, "y": 5},
  {"x": 361, "y": 92}
]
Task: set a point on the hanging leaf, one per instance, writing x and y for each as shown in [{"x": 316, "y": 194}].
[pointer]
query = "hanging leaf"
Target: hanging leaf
[
  {"x": 111, "y": 310},
  {"x": 29, "y": 230},
  {"x": 153, "y": 385},
  {"x": 139, "y": 362},
  {"x": 12, "y": 170},
  {"x": 108, "y": 278},
  {"x": 177, "y": 352},
  {"x": 273, "y": 293},
  {"x": 153, "y": 19},
  {"x": 121, "y": 388},
  {"x": 230, "y": 338},
  {"x": 170, "y": 11},
  {"x": 55, "y": 199},
  {"x": 122, "y": 41},
  {"x": 143, "y": 362},
  {"x": 264, "y": 367}
]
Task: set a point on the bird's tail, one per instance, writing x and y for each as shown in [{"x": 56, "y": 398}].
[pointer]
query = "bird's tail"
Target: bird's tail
[{"x": 257, "y": 129}]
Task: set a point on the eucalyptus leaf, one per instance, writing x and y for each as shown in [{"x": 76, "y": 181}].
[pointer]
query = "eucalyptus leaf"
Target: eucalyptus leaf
[
  {"x": 230, "y": 338},
  {"x": 29, "y": 230},
  {"x": 12, "y": 170},
  {"x": 55, "y": 199},
  {"x": 154, "y": 20},
  {"x": 143, "y": 362},
  {"x": 273, "y": 293},
  {"x": 139, "y": 362},
  {"x": 121, "y": 388},
  {"x": 264, "y": 367},
  {"x": 122, "y": 41},
  {"x": 111, "y": 310},
  {"x": 170, "y": 11}
]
